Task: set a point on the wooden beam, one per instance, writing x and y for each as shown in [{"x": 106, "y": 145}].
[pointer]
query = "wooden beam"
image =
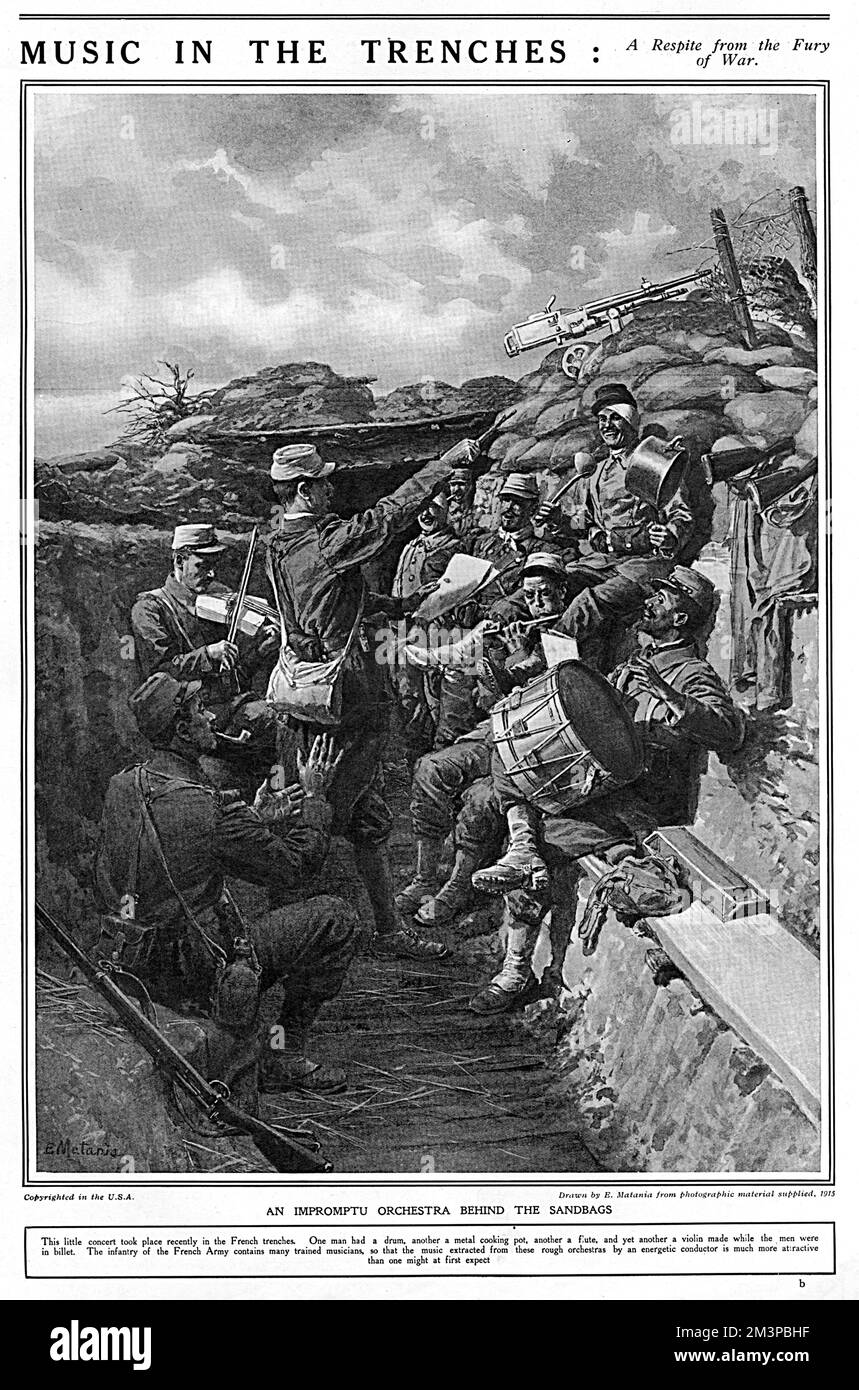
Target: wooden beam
[{"x": 758, "y": 978}]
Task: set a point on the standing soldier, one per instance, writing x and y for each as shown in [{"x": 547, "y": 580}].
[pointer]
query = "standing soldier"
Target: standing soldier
[
  {"x": 421, "y": 564},
  {"x": 463, "y": 517},
  {"x": 314, "y": 564},
  {"x": 169, "y": 637}
]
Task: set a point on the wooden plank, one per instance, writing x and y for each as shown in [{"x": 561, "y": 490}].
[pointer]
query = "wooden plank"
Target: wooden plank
[{"x": 762, "y": 981}]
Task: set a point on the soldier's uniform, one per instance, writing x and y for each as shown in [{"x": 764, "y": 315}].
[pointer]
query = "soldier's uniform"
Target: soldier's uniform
[
  {"x": 314, "y": 565},
  {"x": 182, "y": 930},
  {"x": 423, "y": 561},
  {"x": 507, "y": 551},
  {"x": 676, "y": 750},
  {"x": 618, "y": 564},
  {"x": 169, "y": 637}
]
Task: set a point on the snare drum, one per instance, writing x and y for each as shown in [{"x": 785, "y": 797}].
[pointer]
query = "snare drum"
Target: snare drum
[{"x": 566, "y": 738}]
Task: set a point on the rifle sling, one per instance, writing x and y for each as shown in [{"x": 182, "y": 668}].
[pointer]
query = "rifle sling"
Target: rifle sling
[{"x": 213, "y": 950}]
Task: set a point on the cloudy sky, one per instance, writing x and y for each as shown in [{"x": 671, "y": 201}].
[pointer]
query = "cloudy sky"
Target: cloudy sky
[{"x": 398, "y": 236}]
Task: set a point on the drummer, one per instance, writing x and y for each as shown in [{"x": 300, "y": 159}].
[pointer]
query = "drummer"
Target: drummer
[
  {"x": 450, "y": 783},
  {"x": 683, "y": 710},
  {"x": 169, "y": 636}
]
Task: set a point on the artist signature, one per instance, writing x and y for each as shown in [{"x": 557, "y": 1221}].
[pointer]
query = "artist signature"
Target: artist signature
[{"x": 69, "y": 1148}]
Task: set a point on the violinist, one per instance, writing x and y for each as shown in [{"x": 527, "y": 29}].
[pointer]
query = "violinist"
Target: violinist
[{"x": 177, "y": 629}]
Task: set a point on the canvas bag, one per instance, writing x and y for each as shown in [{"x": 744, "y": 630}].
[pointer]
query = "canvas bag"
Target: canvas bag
[{"x": 311, "y": 691}]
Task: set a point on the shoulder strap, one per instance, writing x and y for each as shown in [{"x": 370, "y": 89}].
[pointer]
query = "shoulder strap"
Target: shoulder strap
[
  {"x": 166, "y": 602},
  {"x": 212, "y": 947}
]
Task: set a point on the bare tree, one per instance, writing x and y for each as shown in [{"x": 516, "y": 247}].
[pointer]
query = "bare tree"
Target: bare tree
[{"x": 155, "y": 404}]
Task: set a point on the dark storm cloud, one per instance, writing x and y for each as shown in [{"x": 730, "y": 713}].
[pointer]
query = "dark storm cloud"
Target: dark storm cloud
[{"x": 401, "y": 235}]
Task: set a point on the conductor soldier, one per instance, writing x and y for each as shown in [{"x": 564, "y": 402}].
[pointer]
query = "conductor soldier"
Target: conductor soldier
[{"x": 314, "y": 564}]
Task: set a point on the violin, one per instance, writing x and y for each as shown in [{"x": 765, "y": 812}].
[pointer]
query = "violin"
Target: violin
[{"x": 255, "y": 614}]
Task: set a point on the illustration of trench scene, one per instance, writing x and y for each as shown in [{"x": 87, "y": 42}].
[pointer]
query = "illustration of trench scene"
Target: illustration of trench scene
[{"x": 427, "y": 654}]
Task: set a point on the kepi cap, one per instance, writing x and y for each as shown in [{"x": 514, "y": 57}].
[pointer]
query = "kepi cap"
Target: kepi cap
[
  {"x": 545, "y": 562},
  {"x": 695, "y": 587},
  {"x": 199, "y": 538},
  {"x": 156, "y": 703},
  {"x": 520, "y": 485},
  {"x": 614, "y": 393},
  {"x": 296, "y": 461}
]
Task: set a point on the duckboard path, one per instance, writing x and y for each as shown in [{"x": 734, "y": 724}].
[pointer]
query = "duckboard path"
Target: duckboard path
[{"x": 432, "y": 1088}]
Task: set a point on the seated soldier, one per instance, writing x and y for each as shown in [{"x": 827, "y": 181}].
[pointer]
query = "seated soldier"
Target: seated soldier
[
  {"x": 169, "y": 636},
  {"x": 442, "y": 778},
  {"x": 506, "y": 546},
  {"x": 630, "y": 543},
  {"x": 168, "y": 841},
  {"x": 682, "y": 710}
]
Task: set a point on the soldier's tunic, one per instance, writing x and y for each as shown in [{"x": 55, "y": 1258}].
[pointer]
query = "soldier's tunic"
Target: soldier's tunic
[
  {"x": 613, "y": 579},
  {"x": 314, "y": 566},
  {"x": 463, "y": 787},
  {"x": 207, "y": 836},
  {"x": 423, "y": 561},
  {"x": 458, "y": 711}
]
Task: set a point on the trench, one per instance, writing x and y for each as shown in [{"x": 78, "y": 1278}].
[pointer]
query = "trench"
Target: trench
[{"x": 432, "y": 1087}]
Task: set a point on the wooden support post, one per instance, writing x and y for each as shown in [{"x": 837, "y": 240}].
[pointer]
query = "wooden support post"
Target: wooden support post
[
  {"x": 807, "y": 234},
  {"x": 733, "y": 279}
]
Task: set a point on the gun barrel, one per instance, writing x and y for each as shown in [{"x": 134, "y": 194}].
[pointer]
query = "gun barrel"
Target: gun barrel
[
  {"x": 647, "y": 292},
  {"x": 286, "y": 1155}
]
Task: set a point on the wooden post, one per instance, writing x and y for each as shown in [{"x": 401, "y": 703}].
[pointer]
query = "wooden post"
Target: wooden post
[
  {"x": 807, "y": 234},
  {"x": 733, "y": 279}
]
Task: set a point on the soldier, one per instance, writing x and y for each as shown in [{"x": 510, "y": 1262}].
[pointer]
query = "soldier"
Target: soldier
[
  {"x": 169, "y": 637},
  {"x": 168, "y": 841},
  {"x": 682, "y": 710},
  {"x": 451, "y": 785},
  {"x": 314, "y": 565},
  {"x": 463, "y": 516},
  {"x": 506, "y": 547},
  {"x": 423, "y": 561},
  {"x": 630, "y": 544}
]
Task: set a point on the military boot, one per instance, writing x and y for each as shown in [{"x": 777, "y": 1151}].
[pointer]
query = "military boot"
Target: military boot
[
  {"x": 522, "y": 865},
  {"x": 454, "y": 896},
  {"x": 425, "y": 881}
]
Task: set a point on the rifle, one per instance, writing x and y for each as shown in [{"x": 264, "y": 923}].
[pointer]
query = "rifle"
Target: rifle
[
  {"x": 728, "y": 465},
  {"x": 284, "y": 1150},
  {"x": 599, "y": 319}
]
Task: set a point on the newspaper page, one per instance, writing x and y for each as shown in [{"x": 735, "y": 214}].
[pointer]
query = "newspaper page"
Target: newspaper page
[{"x": 420, "y": 668}]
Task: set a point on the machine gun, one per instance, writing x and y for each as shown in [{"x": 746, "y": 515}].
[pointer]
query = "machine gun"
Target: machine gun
[
  {"x": 593, "y": 322},
  {"x": 293, "y": 1151}
]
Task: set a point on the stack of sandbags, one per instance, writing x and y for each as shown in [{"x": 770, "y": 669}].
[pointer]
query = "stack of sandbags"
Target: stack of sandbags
[{"x": 692, "y": 376}]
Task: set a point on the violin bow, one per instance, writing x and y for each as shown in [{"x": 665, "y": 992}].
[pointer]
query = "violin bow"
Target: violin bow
[
  {"x": 243, "y": 588},
  {"x": 241, "y": 595}
]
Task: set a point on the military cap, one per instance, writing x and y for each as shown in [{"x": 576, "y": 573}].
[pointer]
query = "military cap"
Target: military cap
[
  {"x": 199, "y": 538},
  {"x": 545, "y": 562},
  {"x": 156, "y": 703},
  {"x": 520, "y": 485},
  {"x": 614, "y": 393},
  {"x": 696, "y": 588},
  {"x": 295, "y": 461}
]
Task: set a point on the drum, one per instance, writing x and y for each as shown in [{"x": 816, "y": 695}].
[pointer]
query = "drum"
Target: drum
[{"x": 566, "y": 738}]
